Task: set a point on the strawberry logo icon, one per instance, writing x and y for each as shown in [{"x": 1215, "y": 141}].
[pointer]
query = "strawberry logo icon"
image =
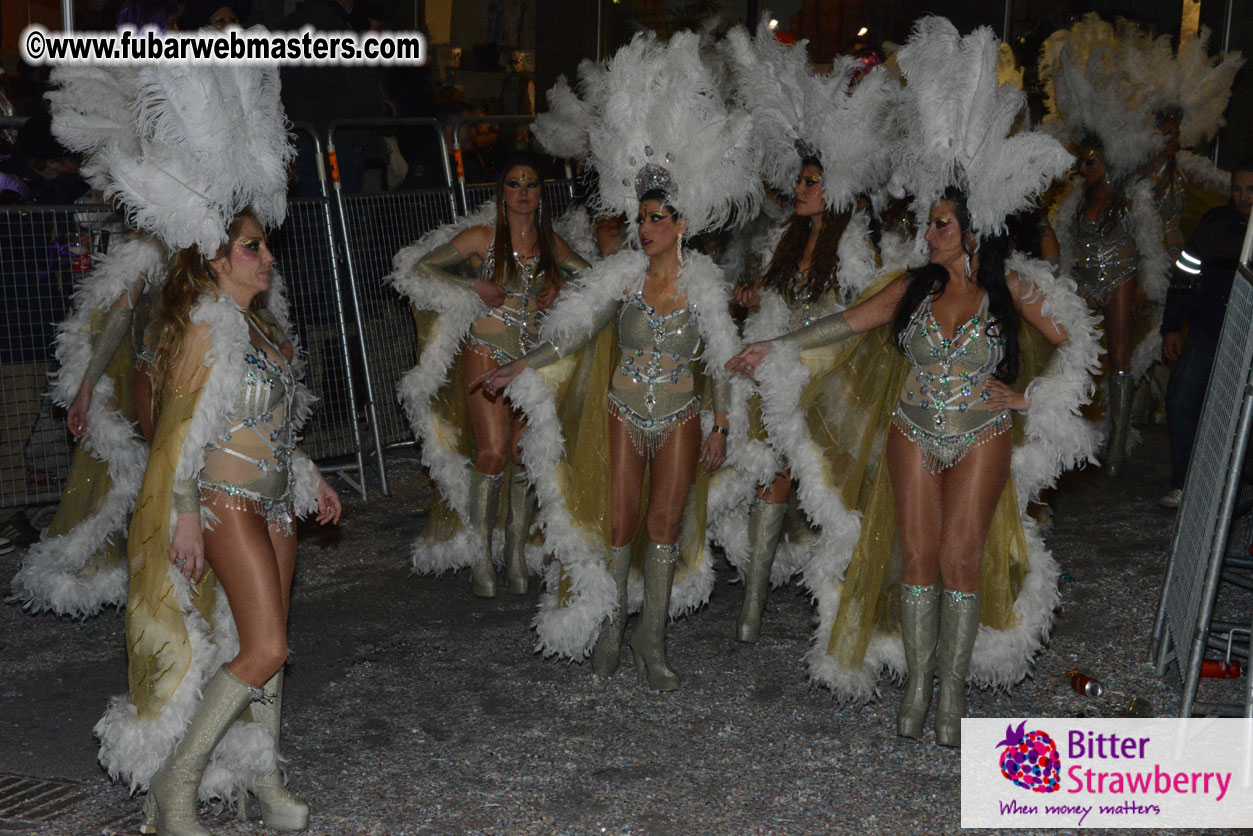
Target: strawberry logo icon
[{"x": 1030, "y": 759}]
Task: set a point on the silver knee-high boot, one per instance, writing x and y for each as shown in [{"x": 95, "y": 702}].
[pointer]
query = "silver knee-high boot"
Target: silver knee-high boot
[
  {"x": 1120, "y": 393},
  {"x": 959, "y": 625},
  {"x": 609, "y": 645},
  {"x": 280, "y": 810},
  {"x": 920, "y": 621},
  {"x": 518, "y": 531},
  {"x": 171, "y": 800},
  {"x": 765, "y": 522},
  {"x": 648, "y": 641},
  {"x": 484, "y": 496}
]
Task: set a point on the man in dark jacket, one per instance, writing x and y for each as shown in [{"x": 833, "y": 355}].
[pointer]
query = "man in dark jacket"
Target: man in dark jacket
[{"x": 1198, "y": 300}]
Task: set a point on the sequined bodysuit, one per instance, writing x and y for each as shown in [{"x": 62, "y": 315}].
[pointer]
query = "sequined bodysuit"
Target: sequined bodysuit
[
  {"x": 1107, "y": 254},
  {"x": 1169, "y": 190},
  {"x": 652, "y": 390},
  {"x": 802, "y": 311},
  {"x": 249, "y": 465},
  {"x": 942, "y": 403},
  {"x": 511, "y": 329}
]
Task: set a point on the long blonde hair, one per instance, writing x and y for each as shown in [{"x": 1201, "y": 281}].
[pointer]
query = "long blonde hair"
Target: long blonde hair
[{"x": 190, "y": 279}]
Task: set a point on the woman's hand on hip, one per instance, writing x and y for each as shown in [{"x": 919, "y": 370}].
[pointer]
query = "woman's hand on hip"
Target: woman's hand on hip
[{"x": 1000, "y": 396}]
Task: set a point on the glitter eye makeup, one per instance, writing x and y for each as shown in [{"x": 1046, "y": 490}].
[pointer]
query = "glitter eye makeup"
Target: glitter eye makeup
[
  {"x": 250, "y": 245},
  {"x": 810, "y": 181}
]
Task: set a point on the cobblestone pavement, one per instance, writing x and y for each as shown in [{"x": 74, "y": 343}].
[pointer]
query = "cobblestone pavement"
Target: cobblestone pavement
[{"x": 414, "y": 708}]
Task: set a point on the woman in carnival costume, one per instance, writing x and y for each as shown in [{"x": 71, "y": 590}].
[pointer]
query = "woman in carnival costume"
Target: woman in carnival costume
[
  {"x": 647, "y": 331},
  {"x": 211, "y": 547},
  {"x": 911, "y": 419},
  {"x": 1187, "y": 91},
  {"x": 79, "y": 566},
  {"x": 823, "y": 138},
  {"x": 1107, "y": 225},
  {"x": 477, "y": 311}
]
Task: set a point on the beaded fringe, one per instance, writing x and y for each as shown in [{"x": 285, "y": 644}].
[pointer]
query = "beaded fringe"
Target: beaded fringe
[
  {"x": 648, "y": 441},
  {"x": 277, "y": 512},
  {"x": 940, "y": 452}
]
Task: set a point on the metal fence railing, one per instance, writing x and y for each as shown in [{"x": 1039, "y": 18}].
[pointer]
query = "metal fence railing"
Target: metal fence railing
[
  {"x": 44, "y": 252},
  {"x": 334, "y": 250}
]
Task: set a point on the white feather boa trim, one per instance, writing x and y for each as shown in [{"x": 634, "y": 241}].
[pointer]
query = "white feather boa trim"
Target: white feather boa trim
[
  {"x": 457, "y": 310},
  {"x": 571, "y": 629},
  {"x": 1056, "y": 439},
  {"x": 49, "y": 578}
]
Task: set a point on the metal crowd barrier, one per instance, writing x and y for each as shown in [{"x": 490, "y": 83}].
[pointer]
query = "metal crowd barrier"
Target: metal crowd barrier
[
  {"x": 44, "y": 252},
  {"x": 305, "y": 251}
]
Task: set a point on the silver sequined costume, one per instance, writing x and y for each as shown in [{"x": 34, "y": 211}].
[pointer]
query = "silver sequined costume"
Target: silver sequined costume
[{"x": 1107, "y": 254}]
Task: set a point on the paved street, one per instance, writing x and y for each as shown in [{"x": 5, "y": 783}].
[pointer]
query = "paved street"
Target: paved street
[{"x": 414, "y": 708}]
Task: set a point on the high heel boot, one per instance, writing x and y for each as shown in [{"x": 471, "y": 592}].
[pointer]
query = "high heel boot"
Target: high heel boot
[
  {"x": 484, "y": 496},
  {"x": 1120, "y": 393},
  {"x": 920, "y": 621},
  {"x": 518, "y": 531},
  {"x": 609, "y": 644},
  {"x": 959, "y": 625},
  {"x": 648, "y": 642},
  {"x": 765, "y": 522},
  {"x": 280, "y": 810},
  {"x": 171, "y": 800}
]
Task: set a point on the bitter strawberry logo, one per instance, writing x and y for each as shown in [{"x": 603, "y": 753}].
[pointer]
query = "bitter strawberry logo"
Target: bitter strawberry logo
[{"x": 1030, "y": 759}]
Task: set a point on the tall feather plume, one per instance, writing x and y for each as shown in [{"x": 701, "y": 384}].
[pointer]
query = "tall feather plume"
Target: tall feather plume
[
  {"x": 1191, "y": 80},
  {"x": 1088, "y": 91},
  {"x": 959, "y": 125},
  {"x": 842, "y": 121},
  {"x": 562, "y": 129},
  {"x": 182, "y": 148},
  {"x": 659, "y": 103}
]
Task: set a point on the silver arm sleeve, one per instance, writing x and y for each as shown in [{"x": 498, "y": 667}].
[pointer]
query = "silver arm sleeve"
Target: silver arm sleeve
[
  {"x": 187, "y": 496},
  {"x": 553, "y": 350},
  {"x": 435, "y": 265},
  {"x": 573, "y": 266},
  {"x": 722, "y": 393},
  {"x": 117, "y": 324},
  {"x": 826, "y": 331}
]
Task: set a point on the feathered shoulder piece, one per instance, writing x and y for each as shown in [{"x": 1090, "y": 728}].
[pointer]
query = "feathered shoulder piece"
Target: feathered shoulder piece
[
  {"x": 1088, "y": 94},
  {"x": 657, "y": 120},
  {"x": 182, "y": 148},
  {"x": 798, "y": 113},
  {"x": 1189, "y": 85},
  {"x": 958, "y": 124}
]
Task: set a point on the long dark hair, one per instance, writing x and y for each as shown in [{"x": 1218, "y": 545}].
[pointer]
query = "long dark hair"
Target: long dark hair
[
  {"x": 930, "y": 281},
  {"x": 791, "y": 248},
  {"x": 506, "y": 270}
]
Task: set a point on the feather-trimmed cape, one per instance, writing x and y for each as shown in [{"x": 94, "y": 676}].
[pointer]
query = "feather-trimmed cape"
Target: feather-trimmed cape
[
  {"x": 178, "y": 633},
  {"x": 850, "y": 389},
  {"x": 79, "y": 567},
  {"x": 759, "y": 464},
  {"x": 565, "y": 452}
]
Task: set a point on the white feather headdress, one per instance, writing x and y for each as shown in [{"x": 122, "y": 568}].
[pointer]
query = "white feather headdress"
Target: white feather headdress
[
  {"x": 656, "y": 118},
  {"x": 562, "y": 129},
  {"x": 958, "y": 125},
  {"x": 1088, "y": 93},
  {"x": 798, "y": 113},
  {"x": 1191, "y": 82},
  {"x": 182, "y": 148}
]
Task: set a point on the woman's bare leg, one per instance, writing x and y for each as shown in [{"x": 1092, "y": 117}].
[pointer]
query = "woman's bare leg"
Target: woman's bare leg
[
  {"x": 490, "y": 419},
  {"x": 241, "y": 551},
  {"x": 972, "y": 490},
  {"x": 626, "y": 482},
  {"x": 1119, "y": 313},
  {"x": 917, "y": 495},
  {"x": 776, "y": 492},
  {"x": 673, "y": 468}
]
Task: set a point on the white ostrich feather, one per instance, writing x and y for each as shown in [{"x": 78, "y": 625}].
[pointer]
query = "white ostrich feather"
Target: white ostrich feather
[
  {"x": 1190, "y": 79},
  {"x": 842, "y": 122},
  {"x": 1088, "y": 92},
  {"x": 183, "y": 148},
  {"x": 659, "y": 104},
  {"x": 959, "y": 123},
  {"x": 562, "y": 129}
]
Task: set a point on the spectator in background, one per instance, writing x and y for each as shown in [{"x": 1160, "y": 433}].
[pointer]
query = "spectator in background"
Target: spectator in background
[
  {"x": 321, "y": 95},
  {"x": 215, "y": 14},
  {"x": 39, "y": 169},
  {"x": 1198, "y": 300}
]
